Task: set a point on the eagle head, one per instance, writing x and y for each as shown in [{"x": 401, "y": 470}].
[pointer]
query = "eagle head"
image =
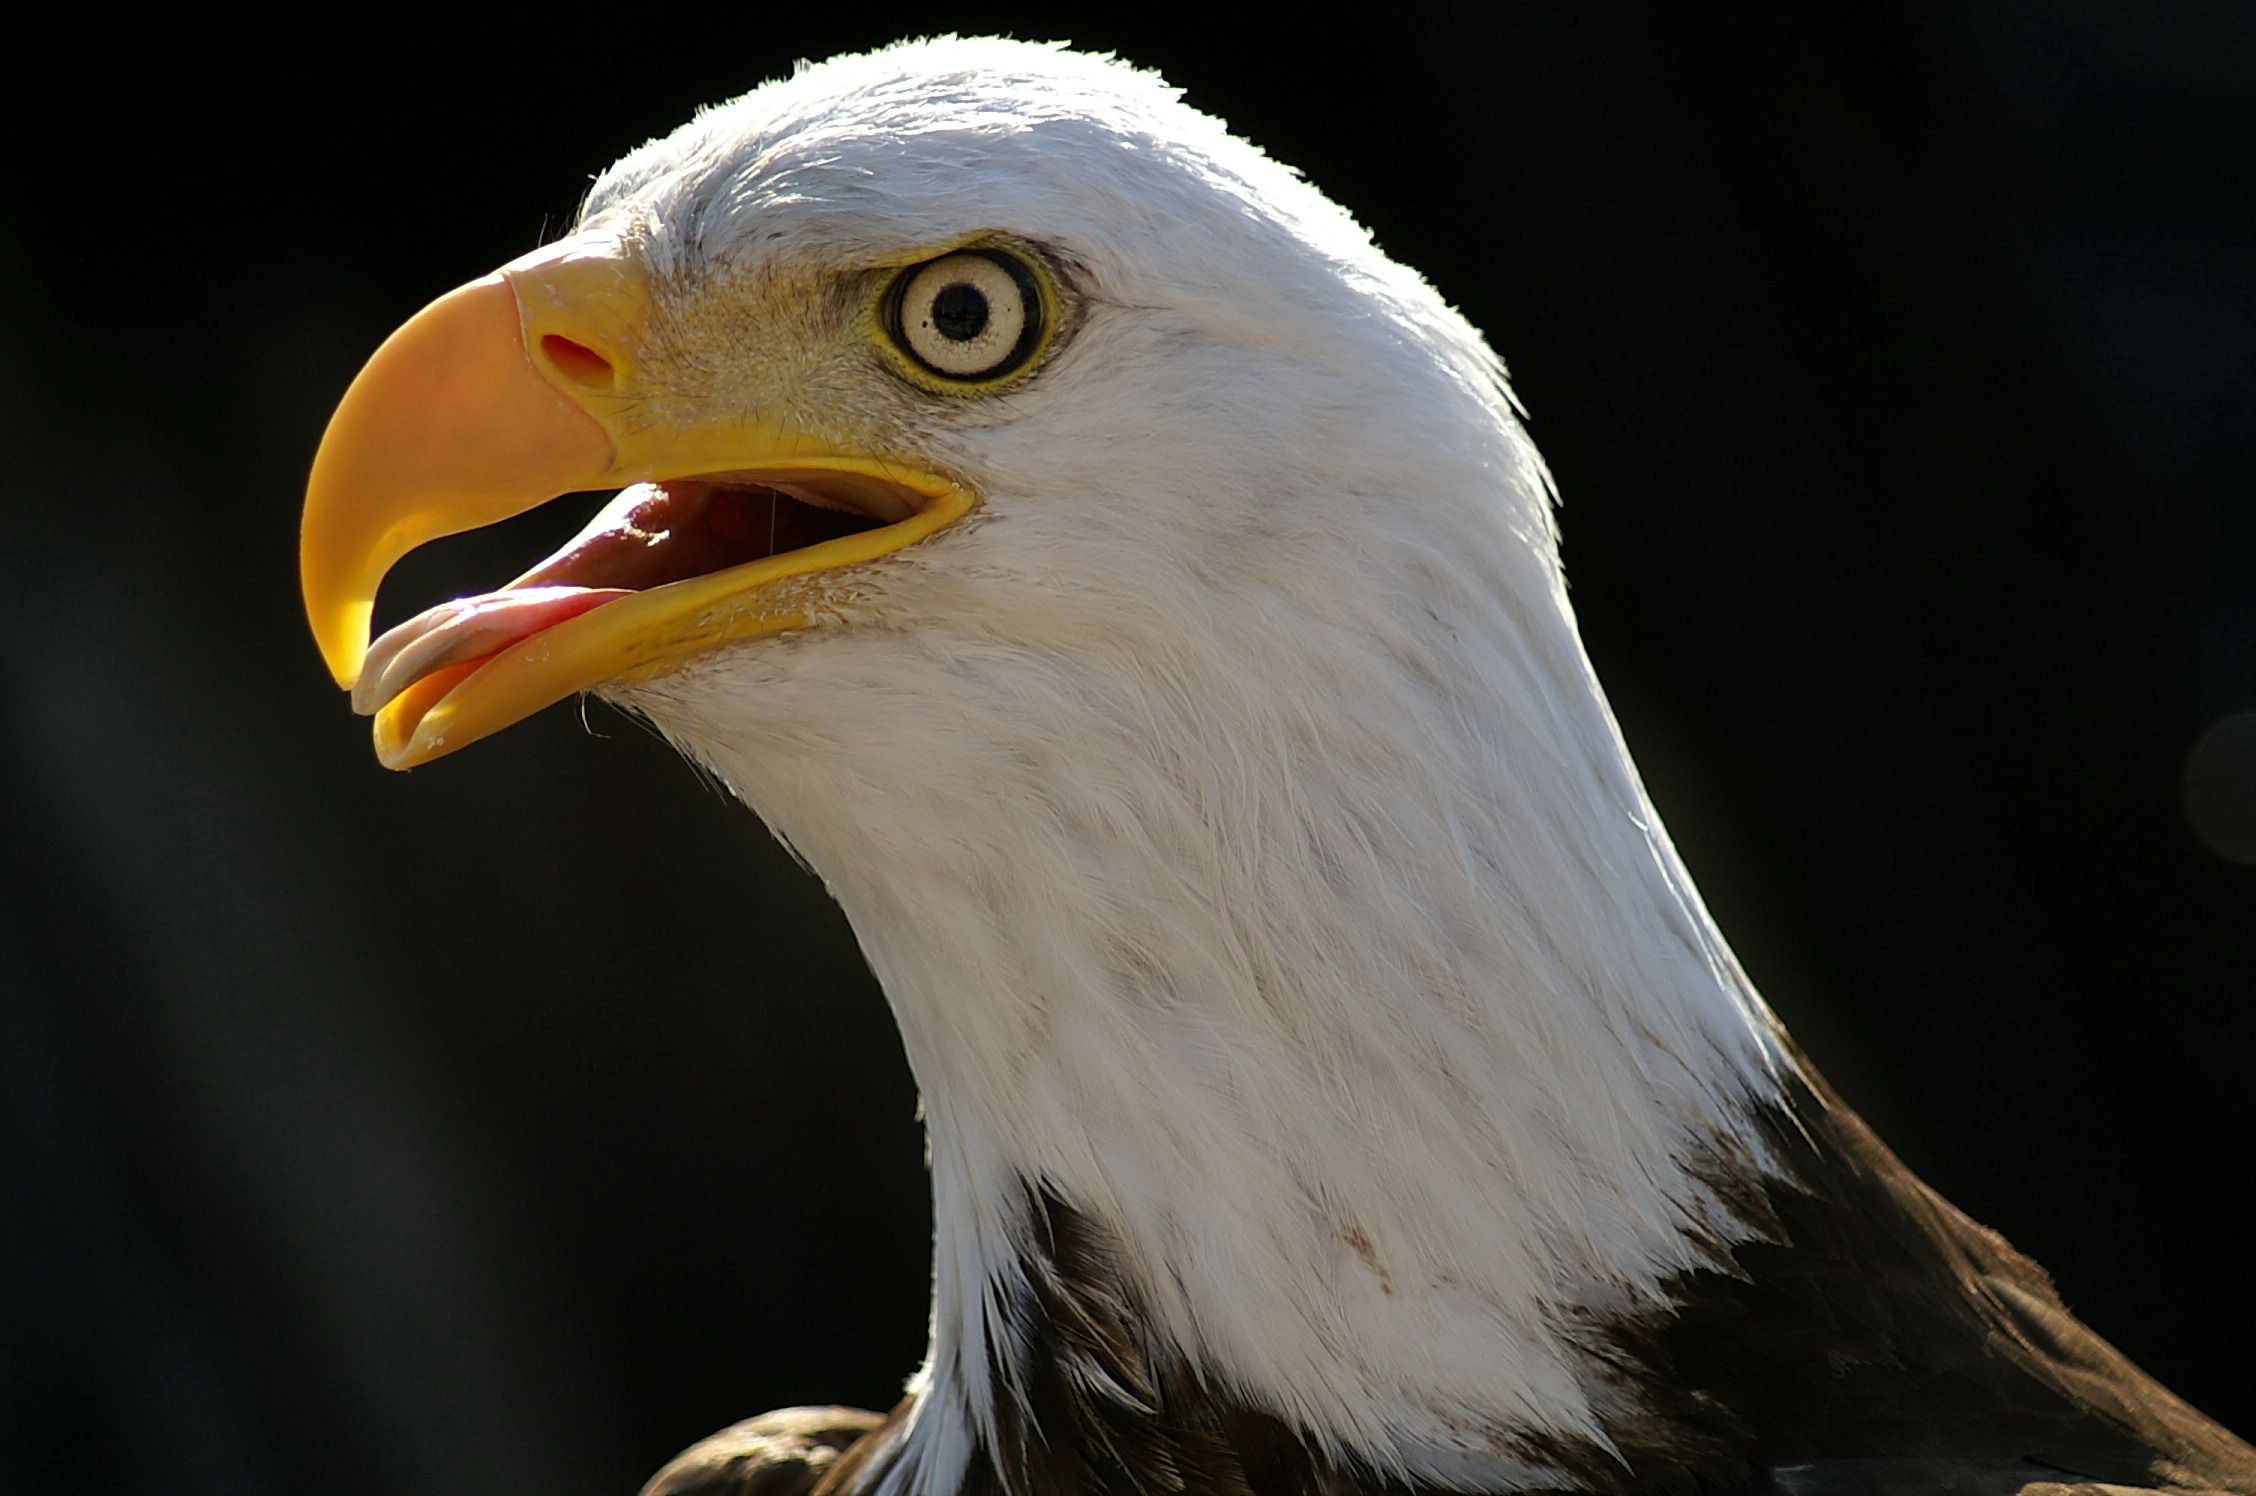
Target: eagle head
[{"x": 1135, "y": 596}]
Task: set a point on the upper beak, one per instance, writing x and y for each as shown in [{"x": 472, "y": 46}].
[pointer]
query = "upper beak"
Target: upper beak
[{"x": 462, "y": 419}]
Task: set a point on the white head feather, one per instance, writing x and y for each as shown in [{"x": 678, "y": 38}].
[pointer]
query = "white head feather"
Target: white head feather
[{"x": 1228, "y": 808}]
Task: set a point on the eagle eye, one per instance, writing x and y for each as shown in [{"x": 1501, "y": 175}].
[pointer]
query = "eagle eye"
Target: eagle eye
[{"x": 968, "y": 318}]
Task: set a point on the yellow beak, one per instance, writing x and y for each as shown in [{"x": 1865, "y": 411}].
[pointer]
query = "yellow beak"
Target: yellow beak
[{"x": 502, "y": 395}]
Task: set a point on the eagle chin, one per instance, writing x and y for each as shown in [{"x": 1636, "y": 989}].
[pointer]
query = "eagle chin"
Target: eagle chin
[{"x": 1134, "y": 595}]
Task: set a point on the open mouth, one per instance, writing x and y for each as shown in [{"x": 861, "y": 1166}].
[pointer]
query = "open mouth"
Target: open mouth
[
  {"x": 535, "y": 381},
  {"x": 669, "y": 546}
]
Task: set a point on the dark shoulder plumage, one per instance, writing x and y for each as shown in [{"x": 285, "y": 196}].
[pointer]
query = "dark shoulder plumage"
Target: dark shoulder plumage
[
  {"x": 1872, "y": 1338},
  {"x": 783, "y": 1453},
  {"x": 1868, "y": 1340}
]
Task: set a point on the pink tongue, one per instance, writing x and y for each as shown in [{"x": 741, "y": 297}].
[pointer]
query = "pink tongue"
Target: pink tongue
[{"x": 467, "y": 629}]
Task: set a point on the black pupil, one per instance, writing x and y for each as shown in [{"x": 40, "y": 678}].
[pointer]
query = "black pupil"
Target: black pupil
[{"x": 959, "y": 312}]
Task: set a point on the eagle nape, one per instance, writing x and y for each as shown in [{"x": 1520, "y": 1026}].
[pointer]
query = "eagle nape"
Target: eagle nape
[{"x": 1137, "y": 599}]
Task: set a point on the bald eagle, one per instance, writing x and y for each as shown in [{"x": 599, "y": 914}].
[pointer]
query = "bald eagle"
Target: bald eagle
[{"x": 1134, "y": 595}]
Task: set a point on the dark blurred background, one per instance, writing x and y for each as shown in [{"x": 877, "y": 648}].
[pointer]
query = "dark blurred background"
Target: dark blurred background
[{"x": 506, "y": 1126}]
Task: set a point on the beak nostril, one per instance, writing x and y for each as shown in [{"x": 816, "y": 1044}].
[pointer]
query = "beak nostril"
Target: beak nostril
[{"x": 578, "y": 363}]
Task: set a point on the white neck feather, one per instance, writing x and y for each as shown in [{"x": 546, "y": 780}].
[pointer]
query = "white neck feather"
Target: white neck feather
[
  {"x": 1383, "y": 1041},
  {"x": 1228, "y": 808}
]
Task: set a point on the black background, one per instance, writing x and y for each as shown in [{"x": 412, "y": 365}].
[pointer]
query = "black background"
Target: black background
[{"x": 505, "y": 1126}]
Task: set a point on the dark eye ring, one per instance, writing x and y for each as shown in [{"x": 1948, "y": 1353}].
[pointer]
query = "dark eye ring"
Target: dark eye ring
[{"x": 973, "y": 315}]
